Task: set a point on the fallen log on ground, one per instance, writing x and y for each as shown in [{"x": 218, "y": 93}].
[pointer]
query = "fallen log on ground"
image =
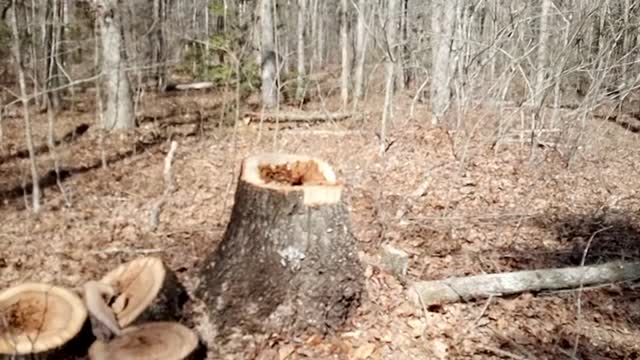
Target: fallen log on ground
[
  {"x": 191, "y": 86},
  {"x": 484, "y": 286},
  {"x": 294, "y": 116}
]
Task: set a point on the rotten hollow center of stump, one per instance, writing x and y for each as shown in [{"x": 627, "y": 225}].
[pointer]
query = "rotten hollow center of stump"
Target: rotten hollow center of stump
[
  {"x": 296, "y": 173},
  {"x": 27, "y": 315}
]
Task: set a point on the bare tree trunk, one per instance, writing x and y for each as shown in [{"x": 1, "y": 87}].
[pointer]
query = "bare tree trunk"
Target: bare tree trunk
[
  {"x": 344, "y": 42},
  {"x": 626, "y": 48},
  {"x": 321, "y": 35},
  {"x": 159, "y": 42},
  {"x": 442, "y": 28},
  {"x": 52, "y": 43},
  {"x": 391, "y": 58},
  {"x": 402, "y": 14},
  {"x": 314, "y": 34},
  {"x": 37, "y": 49},
  {"x": 269, "y": 70},
  {"x": 361, "y": 49},
  {"x": 542, "y": 52},
  {"x": 118, "y": 110},
  {"x": 302, "y": 13},
  {"x": 494, "y": 32},
  {"x": 16, "y": 48},
  {"x": 281, "y": 21}
]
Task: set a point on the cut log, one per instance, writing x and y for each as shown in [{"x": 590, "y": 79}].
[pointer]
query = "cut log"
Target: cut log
[
  {"x": 103, "y": 320},
  {"x": 294, "y": 117},
  {"x": 145, "y": 291},
  {"x": 154, "y": 340},
  {"x": 287, "y": 262},
  {"x": 483, "y": 286},
  {"x": 39, "y": 320}
]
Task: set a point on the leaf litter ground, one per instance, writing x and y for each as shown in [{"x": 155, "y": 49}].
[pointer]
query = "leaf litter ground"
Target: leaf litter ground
[{"x": 454, "y": 202}]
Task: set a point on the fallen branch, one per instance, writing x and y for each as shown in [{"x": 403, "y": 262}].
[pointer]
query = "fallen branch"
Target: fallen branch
[
  {"x": 294, "y": 116},
  {"x": 191, "y": 86},
  {"x": 483, "y": 286},
  {"x": 154, "y": 216}
]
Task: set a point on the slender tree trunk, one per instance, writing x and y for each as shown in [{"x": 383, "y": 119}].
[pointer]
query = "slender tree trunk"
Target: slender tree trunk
[
  {"x": 159, "y": 42},
  {"x": 302, "y": 13},
  {"x": 283, "y": 38},
  {"x": 52, "y": 43},
  {"x": 402, "y": 14},
  {"x": 268, "y": 58},
  {"x": 542, "y": 52},
  {"x": 361, "y": 49},
  {"x": 16, "y": 49},
  {"x": 626, "y": 48},
  {"x": 118, "y": 110},
  {"x": 344, "y": 42},
  {"x": 390, "y": 67},
  {"x": 34, "y": 45},
  {"x": 494, "y": 32},
  {"x": 321, "y": 35},
  {"x": 442, "y": 29},
  {"x": 314, "y": 34}
]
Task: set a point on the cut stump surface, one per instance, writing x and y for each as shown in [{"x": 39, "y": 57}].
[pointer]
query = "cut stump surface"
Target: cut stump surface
[
  {"x": 146, "y": 290},
  {"x": 38, "y": 318},
  {"x": 154, "y": 340},
  {"x": 288, "y": 261}
]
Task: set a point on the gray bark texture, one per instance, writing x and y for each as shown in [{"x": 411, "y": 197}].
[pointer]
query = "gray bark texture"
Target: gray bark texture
[
  {"x": 268, "y": 57},
  {"x": 118, "y": 109},
  {"x": 17, "y": 54},
  {"x": 345, "y": 77},
  {"x": 361, "y": 49},
  {"x": 302, "y": 13},
  {"x": 442, "y": 28},
  {"x": 390, "y": 67},
  {"x": 483, "y": 286},
  {"x": 542, "y": 52},
  {"x": 284, "y": 265}
]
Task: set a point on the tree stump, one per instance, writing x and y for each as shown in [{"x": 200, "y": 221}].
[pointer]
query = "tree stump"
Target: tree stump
[
  {"x": 288, "y": 261},
  {"x": 40, "y": 321}
]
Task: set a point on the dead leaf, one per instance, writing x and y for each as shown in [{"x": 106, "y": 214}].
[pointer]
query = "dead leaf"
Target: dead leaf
[
  {"x": 364, "y": 351},
  {"x": 417, "y": 327},
  {"x": 285, "y": 351}
]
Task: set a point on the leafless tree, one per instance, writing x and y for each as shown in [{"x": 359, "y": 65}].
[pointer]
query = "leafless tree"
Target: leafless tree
[
  {"x": 345, "y": 77},
  {"x": 361, "y": 48},
  {"x": 390, "y": 68},
  {"x": 302, "y": 14},
  {"x": 442, "y": 28},
  {"x": 118, "y": 104},
  {"x": 268, "y": 55},
  {"x": 17, "y": 55}
]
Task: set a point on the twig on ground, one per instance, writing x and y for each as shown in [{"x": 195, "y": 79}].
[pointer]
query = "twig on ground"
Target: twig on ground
[
  {"x": 460, "y": 336},
  {"x": 579, "y": 299},
  {"x": 502, "y": 352}
]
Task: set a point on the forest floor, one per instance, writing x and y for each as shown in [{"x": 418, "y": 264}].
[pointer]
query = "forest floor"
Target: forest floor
[{"x": 456, "y": 204}]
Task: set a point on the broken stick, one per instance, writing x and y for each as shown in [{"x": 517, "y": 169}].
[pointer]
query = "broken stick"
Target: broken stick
[{"x": 483, "y": 286}]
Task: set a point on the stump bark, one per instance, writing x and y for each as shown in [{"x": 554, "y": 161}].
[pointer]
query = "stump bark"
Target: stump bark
[{"x": 288, "y": 261}]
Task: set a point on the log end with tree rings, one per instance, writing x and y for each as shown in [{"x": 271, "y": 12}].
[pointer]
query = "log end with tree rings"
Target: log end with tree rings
[
  {"x": 37, "y": 318},
  {"x": 153, "y": 340},
  {"x": 146, "y": 290},
  {"x": 288, "y": 261}
]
